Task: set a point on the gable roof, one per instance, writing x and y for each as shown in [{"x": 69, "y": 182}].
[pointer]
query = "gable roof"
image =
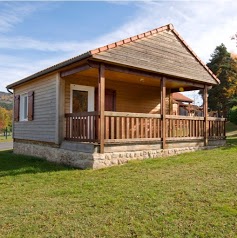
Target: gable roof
[
  {"x": 181, "y": 98},
  {"x": 166, "y": 50},
  {"x": 99, "y": 51}
]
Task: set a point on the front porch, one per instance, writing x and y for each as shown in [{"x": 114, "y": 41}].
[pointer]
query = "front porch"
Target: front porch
[{"x": 147, "y": 92}]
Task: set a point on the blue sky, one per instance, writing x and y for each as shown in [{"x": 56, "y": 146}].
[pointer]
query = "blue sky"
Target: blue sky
[{"x": 35, "y": 35}]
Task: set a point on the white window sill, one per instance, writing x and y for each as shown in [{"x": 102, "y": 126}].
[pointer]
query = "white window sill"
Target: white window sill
[{"x": 23, "y": 120}]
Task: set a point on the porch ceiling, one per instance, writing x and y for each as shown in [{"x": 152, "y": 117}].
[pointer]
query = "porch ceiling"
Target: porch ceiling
[{"x": 174, "y": 85}]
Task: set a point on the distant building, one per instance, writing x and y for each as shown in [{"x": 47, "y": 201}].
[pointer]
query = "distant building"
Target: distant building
[{"x": 182, "y": 106}]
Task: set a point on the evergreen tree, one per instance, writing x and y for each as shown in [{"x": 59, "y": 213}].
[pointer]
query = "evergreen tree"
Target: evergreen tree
[{"x": 222, "y": 96}]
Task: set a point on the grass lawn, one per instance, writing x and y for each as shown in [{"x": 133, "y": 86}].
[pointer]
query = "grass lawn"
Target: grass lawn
[
  {"x": 231, "y": 129},
  {"x": 3, "y": 139},
  {"x": 190, "y": 195}
]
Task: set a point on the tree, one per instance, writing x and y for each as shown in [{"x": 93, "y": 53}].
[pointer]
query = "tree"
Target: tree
[
  {"x": 5, "y": 118},
  {"x": 234, "y": 37},
  {"x": 222, "y": 97}
]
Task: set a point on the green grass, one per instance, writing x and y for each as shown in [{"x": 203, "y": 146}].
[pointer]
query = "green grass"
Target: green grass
[
  {"x": 231, "y": 129},
  {"x": 190, "y": 195}
]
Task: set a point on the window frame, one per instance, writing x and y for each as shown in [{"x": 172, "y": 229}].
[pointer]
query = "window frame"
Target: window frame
[
  {"x": 91, "y": 95},
  {"x": 24, "y": 107}
]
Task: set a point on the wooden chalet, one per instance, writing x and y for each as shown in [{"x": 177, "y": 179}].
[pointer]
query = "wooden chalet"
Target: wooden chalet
[{"x": 114, "y": 103}]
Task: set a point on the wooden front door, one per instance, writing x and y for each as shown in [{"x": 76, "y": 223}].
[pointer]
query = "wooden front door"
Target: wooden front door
[
  {"x": 110, "y": 100},
  {"x": 110, "y": 103}
]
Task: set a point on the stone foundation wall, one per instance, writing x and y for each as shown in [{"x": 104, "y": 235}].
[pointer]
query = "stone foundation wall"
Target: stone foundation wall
[{"x": 95, "y": 160}]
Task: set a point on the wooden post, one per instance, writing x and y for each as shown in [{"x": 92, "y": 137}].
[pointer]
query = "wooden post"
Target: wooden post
[
  {"x": 101, "y": 105},
  {"x": 205, "y": 114},
  {"x": 189, "y": 109},
  {"x": 163, "y": 111},
  {"x": 170, "y": 102}
]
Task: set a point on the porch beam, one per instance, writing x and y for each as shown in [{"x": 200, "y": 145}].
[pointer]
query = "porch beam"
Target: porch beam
[
  {"x": 162, "y": 110},
  {"x": 101, "y": 105},
  {"x": 75, "y": 70},
  {"x": 121, "y": 69},
  {"x": 205, "y": 114}
]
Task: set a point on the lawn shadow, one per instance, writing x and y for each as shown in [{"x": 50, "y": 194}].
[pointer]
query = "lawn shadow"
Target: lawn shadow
[{"x": 12, "y": 164}]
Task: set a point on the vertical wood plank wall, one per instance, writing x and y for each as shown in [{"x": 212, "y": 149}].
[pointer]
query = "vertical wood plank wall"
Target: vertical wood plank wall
[{"x": 137, "y": 98}]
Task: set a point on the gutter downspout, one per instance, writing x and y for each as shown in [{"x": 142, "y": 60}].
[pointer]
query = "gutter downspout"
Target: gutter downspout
[{"x": 9, "y": 91}]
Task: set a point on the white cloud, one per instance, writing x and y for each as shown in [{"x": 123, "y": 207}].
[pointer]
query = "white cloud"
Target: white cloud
[
  {"x": 16, "y": 68},
  {"x": 26, "y": 43},
  {"x": 13, "y": 13}
]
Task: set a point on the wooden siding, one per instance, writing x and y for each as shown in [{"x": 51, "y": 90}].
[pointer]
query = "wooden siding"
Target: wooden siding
[
  {"x": 129, "y": 97},
  {"x": 42, "y": 128},
  {"x": 163, "y": 53}
]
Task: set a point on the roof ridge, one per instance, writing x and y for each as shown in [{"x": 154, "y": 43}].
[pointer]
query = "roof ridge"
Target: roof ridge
[{"x": 132, "y": 39}]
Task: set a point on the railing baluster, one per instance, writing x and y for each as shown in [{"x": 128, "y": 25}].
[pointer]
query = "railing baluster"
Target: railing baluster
[
  {"x": 154, "y": 128},
  {"x": 106, "y": 127},
  {"x": 150, "y": 128},
  {"x": 132, "y": 125},
  {"x": 117, "y": 127},
  {"x": 112, "y": 128},
  {"x": 127, "y": 128},
  {"x": 123, "y": 127},
  {"x": 142, "y": 127},
  {"x": 146, "y": 131}
]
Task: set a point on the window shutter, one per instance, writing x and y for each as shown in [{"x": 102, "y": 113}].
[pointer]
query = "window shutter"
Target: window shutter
[
  {"x": 30, "y": 105},
  {"x": 16, "y": 107}
]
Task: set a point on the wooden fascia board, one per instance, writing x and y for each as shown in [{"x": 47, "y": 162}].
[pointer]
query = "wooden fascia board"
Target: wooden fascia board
[{"x": 75, "y": 70}]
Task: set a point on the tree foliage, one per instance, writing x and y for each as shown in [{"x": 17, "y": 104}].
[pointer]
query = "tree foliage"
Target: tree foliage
[
  {"x": 5, "y": 118},
  {"x": 7, "y": 106},
  {"x": 233, "y": 115},
  {"x": 223, "y": 96}
]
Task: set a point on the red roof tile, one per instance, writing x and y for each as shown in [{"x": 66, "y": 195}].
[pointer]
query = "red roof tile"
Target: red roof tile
[{"x": 181, "y": 98}]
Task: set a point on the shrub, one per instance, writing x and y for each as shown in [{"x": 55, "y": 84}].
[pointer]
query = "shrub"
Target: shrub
[{"x": 233, "y": 115}]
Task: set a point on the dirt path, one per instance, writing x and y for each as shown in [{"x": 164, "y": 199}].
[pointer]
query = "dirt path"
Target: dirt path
[{"x": 6, "y": 145}]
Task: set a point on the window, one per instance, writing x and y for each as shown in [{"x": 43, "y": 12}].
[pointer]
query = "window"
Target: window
[
  {"x": 80, "y": 101},
  {"x": 82, "y": 98},
  {"x": 24, "y": 107}
]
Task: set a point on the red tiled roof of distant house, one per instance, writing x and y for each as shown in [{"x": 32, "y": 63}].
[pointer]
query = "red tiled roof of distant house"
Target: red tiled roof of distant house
[{"x": 181, "y": 98}]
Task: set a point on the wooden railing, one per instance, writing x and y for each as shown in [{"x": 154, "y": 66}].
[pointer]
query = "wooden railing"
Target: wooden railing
[
  {"x": 82, "y": 126},
  {"x": 184, "y": 127},
  {"x": 216, "y": 128},
  {"x": 122, "y": 127}
]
